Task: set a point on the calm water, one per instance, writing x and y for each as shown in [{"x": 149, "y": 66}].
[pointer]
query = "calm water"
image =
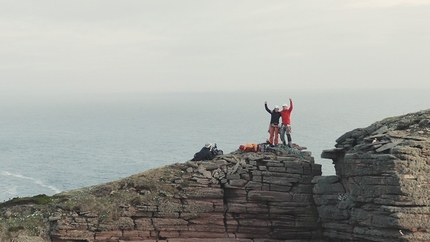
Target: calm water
[{"x": 49, "y": 145}]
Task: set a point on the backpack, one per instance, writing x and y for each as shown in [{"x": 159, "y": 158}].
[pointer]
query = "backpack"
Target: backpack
[{"x": 249, "y": 147}]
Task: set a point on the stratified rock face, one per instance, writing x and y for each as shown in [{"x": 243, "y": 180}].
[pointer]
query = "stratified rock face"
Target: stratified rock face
[
  {"x": 248, "y": 197},
  {"x": 381, "y": 191}
]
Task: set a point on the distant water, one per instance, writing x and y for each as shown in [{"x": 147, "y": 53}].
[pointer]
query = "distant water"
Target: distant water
[{"x": 49, "y": 145}]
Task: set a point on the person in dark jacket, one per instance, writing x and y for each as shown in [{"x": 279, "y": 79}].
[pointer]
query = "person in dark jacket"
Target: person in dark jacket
[
  {"x": 274, "y": 124},
  {"x": 204, "y": 154}
]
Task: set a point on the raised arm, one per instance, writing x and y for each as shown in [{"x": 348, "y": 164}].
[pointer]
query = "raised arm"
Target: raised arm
[
  {"x": 291, "y": 104},
  {"x": 267, "y": 109}
]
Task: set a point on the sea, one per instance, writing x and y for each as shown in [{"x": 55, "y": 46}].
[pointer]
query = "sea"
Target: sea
[{"x": 55, "y": 143}]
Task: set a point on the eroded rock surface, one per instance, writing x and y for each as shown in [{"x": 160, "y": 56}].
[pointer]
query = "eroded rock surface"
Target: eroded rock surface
[
  {"x": 381, "y": 191},
  {"x": 248, "y": 197}
]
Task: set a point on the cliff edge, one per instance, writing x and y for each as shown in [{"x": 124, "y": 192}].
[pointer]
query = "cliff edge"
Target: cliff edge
[
  {"x": 247, "y": 197},
  {"x": 381, "y": 191}
]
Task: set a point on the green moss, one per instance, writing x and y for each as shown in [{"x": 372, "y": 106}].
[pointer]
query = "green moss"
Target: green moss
[
  {"x": 15, "y": 229},
  {"x": 38, "y": 200},
  {"x": 185, "y": 183}
]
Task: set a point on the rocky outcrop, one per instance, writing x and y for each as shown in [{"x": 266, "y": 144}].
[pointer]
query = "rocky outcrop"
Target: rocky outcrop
[
  {"x": 381, "y": 191},
  {"x": 248, "y": 197}
]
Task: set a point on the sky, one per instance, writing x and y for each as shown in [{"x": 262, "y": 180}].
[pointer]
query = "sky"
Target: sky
[{"x": 105, "y": 46}]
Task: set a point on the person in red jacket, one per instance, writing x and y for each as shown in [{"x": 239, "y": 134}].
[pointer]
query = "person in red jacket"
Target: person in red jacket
[{"x": 286, "y": 123}]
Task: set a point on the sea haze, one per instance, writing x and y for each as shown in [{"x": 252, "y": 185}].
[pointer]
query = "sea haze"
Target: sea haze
[{"x": 54, "y": 144}]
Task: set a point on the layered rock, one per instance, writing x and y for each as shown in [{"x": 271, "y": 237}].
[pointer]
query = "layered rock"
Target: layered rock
[
  {"x": 247, "y": 197},
  {"x": 381, "y": 191}
]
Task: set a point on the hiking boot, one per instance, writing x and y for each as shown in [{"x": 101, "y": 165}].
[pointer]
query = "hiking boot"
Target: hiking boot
[
  {"x": 290, "y": 144},
  {"x": 283, "y": 142}
]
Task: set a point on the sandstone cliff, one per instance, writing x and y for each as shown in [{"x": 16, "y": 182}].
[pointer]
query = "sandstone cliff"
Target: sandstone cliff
[
  {"x": 380, "y": 193},
  {"x": 248, "y": 197}
]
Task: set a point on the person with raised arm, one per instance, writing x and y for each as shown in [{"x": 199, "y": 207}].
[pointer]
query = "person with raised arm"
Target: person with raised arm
[
  {"x": 274, "y": 124},
  {"x": 286, "y": 123}
]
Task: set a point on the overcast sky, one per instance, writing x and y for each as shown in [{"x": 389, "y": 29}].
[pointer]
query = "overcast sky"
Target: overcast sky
[{"x": 150, "y": 46}]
